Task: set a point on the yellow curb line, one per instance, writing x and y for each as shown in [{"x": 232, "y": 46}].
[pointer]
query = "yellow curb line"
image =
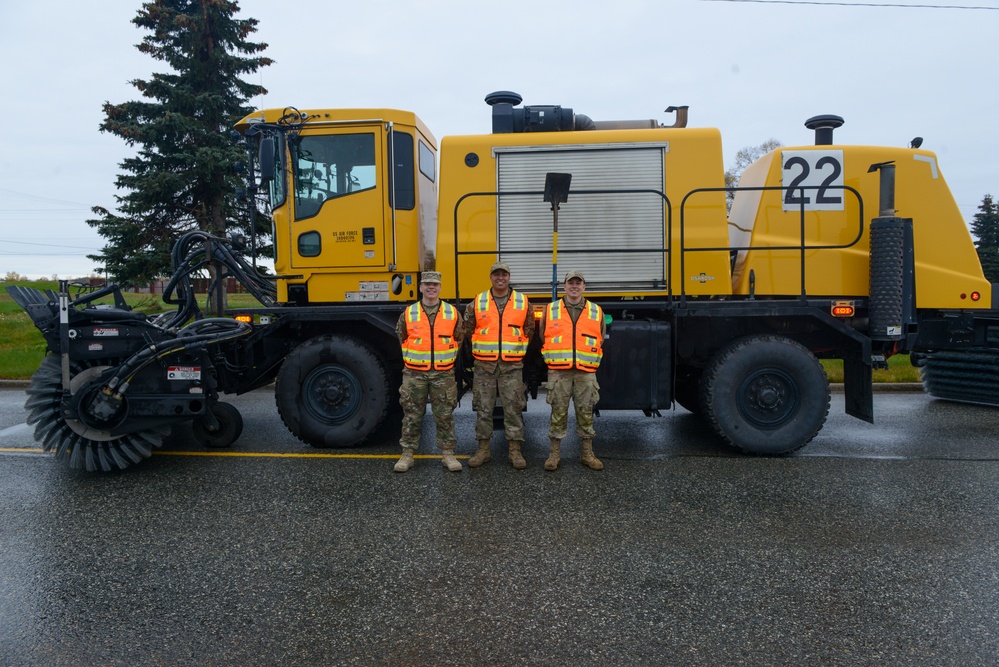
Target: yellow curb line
[
  {"x": 276, "y": 455},
  {"x": 272, "y": 455}
]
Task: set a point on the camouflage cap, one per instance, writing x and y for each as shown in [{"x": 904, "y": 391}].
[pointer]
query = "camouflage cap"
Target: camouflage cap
[
  {"x": 574, "y": 274},
  {"x": 430, "y": 277}
]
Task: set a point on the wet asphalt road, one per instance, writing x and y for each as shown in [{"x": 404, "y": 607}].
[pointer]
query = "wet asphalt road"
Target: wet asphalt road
[{"x": 876, "y": 545}]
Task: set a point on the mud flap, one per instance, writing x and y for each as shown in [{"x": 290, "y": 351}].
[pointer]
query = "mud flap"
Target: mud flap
[{"x": 858, "y": 388}]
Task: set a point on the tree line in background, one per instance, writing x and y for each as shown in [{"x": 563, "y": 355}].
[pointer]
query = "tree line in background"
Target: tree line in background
[
  {"x": 985, "y": 227},
  {"x": 184, "y": 175}
]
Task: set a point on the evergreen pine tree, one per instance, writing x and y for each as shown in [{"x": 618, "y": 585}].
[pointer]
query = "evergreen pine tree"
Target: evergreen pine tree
[
  {"x": 985, "y": 227},
  {"x": 183, "y": 176}
]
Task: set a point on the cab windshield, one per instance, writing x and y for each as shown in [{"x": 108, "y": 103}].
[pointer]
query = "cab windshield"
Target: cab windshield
[{"x": 331, "y": 166}]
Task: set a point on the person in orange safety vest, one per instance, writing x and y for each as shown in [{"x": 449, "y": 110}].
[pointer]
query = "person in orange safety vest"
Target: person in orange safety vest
[
  {"x": 500, "y": 325},
  {"x": 573, "y": 331},
  {"x": 430, "y": 332}
]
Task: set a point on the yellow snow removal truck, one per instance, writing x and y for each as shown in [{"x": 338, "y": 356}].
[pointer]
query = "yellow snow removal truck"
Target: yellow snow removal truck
[{"x": 830, "y": 251}]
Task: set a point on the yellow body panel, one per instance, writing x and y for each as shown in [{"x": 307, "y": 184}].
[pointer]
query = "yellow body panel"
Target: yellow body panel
[
  {"x": 947, "y": 269},
  {"x": 366, "y": 251},
  {"x": 372, "y": 252},
  {"x": 692, "y": 158}
]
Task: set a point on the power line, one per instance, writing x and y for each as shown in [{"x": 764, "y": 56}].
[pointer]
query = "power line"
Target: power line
[
  {"x": 49, "y": 245},
  {"x": 42, "y": 210},
  {"x": 859, "y": 4},
  {"x": 40, "y": 254},
  {"x": 25, "y": 195}
]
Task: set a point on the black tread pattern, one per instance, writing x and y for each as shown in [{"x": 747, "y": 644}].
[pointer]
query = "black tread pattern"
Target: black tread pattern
[
  {"x": 288, "y": 385},
  {"x": 716, "y": 386}
]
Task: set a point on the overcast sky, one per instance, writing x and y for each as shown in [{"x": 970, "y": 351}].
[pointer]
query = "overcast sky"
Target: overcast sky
[{"x": 755, "y": 70}]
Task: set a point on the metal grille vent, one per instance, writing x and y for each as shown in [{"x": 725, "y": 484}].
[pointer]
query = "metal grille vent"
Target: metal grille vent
[{"x": 588, "y": 223}]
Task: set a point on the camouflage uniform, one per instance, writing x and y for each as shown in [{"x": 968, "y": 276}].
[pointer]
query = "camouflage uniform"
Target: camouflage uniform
[
  {"x": 442, "y": 390},
  {"x": 582, "y": 388},
  {"x": 502, "y": 379},
  {"x": 440, "y": 387},
  {"x": 579, "y": 386}
]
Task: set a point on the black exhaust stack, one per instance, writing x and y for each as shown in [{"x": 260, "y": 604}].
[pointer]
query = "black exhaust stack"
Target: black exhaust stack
[
  {"x": 824, "y": 126},
  {"x": 891, "y": 311}
]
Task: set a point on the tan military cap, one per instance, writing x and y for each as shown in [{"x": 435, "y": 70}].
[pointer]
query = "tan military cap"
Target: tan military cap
[{"x": 430, "y": 277}]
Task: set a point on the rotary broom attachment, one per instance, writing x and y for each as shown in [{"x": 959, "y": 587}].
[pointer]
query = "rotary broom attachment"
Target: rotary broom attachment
[
  {"x": 114, "y": 381},
  {"x": 963, "y": 376},
  {"x": 82, "y": 445}
]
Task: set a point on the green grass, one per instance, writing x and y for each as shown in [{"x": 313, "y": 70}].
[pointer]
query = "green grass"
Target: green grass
[
  {"x": 899, "y": 370},
  {"x": 22, "y": 346}
]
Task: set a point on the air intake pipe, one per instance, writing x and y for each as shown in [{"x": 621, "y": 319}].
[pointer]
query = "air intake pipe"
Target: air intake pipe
[{"x": 507, "y": 119}]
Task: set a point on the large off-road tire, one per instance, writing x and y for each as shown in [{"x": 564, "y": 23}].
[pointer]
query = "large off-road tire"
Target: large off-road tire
[
  {"x": 332, "y": 391},
  {"x": 765, "y": 395}
]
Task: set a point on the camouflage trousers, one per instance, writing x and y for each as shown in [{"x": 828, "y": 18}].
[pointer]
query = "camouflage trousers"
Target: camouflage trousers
[
  {"x": 442, "y": 390},
  {"x": 503, "y": 380},
  {"x": 582, "y": 388}
]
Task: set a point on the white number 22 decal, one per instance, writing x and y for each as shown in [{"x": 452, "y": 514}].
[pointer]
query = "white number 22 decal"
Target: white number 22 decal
[{"x": 813, "y": 179}]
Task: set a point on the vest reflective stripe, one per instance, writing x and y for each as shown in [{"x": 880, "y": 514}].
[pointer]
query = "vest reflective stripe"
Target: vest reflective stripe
[
  {"x": 569, "y": 345},
  {"x": 500, "y": 337},
  {"x": 430, "y": 346}
]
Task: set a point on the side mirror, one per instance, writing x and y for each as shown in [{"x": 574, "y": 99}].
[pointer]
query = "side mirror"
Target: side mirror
[{"x": 266, "y": 159}]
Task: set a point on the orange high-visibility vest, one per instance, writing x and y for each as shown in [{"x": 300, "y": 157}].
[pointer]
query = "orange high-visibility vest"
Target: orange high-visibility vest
[
  {"x": 500, "y": 337},
  {"x": 430, "y": 345},
  {"x": 573, "y": 345}
]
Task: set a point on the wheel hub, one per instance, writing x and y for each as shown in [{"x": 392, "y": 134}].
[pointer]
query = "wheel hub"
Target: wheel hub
[
  {"x": 768, "y": 398},
  {"x": 332, "y": 393}
]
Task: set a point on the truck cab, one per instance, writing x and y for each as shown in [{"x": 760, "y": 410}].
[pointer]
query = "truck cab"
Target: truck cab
[{"x": 353, "y": 197}]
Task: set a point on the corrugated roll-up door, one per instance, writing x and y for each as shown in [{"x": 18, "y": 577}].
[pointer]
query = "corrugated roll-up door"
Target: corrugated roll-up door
[{"x": 597, "y": 224}]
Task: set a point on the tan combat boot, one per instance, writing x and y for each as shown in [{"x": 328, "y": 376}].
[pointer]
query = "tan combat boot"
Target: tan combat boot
[
  {"x": 405, "y": 461},
  {"x": 480, "y": 456},
  {"x": 516, "y": 458},
  {"x": 553, "y": 454},
  {"x": 589, "y": 460},
  {"x": 449, "y": 462}
]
